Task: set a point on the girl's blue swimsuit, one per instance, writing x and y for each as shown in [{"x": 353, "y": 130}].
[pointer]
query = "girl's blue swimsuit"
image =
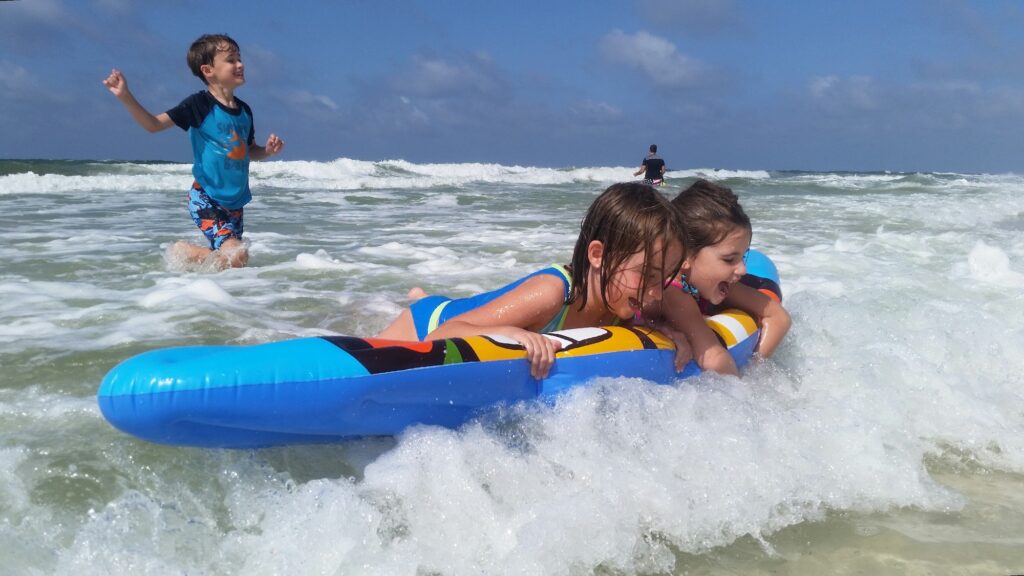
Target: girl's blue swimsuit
[{"x": 430, "y": 312}]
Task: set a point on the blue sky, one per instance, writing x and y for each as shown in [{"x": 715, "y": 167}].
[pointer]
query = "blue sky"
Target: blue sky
[{"x": 916, "y": 85}]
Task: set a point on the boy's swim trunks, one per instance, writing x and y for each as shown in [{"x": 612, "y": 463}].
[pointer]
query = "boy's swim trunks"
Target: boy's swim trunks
[{"x": 217, "y": 222}]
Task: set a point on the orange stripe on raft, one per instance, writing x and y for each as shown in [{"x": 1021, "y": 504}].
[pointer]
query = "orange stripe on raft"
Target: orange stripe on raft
[{"x": 770, "y": 294}]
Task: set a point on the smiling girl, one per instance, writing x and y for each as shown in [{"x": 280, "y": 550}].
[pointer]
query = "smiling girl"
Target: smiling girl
[{"x": 718, "y": 237}]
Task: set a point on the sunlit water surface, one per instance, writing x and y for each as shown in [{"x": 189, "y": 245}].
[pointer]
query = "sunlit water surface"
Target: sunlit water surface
[{"x": 885, "y": 437}]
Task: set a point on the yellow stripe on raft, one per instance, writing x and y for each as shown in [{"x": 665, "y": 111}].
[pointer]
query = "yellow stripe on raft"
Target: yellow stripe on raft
[
  {"x": 615, "y": 339},
  {"x": 596, "y": 341},
  {"x": 487, "y": 350},
  {"x": 732, "y": 326}
]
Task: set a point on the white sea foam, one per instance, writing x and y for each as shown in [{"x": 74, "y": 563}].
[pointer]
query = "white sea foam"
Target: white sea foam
[
  {"x": 990, "y": 265},
  {"x": 345, "y": 174},
  {"x": 322, "y": 261},
  {"x": 175, "y": 289},
  {"x": 338, "y": 175},
  {"x": 719, "y": 174},
  {"x": 13, "y": 491},
  {"x": 29, "y": 183}
]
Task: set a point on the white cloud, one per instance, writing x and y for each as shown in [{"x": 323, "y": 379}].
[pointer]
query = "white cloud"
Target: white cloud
[
  {"x": 595, "y": 111},
  {"x": 433, "y": 77},
  {"x": 26, "y": 27},
  {"x": 14, "y": 78},
  {"x": 853, "y": 93},
  {"x": 413, "y": 114},
  {"x": 820, "y": 86},
  {"x": 40, "y": 11},
  {"x": 304, "y": 98},
  {"x": 656, "y": 57},
  {"x": 933, "y": 107},
  {"x": 17, "y": 83}
]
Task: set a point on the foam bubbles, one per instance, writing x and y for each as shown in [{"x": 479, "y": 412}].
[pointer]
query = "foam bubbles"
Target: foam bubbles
[
  {"x": 178, "y": 289},
  {"x": 990, "y": 265},
  {"x": 322, "y": 261}
]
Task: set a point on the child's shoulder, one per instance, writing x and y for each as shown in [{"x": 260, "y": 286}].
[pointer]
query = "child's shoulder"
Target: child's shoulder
[
  {"x": 198, "y": 102},
  {"x": 243, "y": 105},
  {"x": 192, "y": 110},
  {"x": 198, "y": 96}
]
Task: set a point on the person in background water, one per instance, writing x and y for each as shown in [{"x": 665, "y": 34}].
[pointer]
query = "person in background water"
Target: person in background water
[
  {"x": 652, "y": 167},
  {"x": 714, "y": 276},
  {"x": 220, "y": 127},
  {"x": 629, "y": 248}
]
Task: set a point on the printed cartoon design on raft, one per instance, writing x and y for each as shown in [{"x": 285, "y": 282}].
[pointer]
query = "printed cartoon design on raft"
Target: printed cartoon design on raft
[{"x": 381, "y": 355}]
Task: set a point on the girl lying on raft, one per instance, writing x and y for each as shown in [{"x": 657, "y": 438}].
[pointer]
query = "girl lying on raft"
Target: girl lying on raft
[{"x": 629, "y": 248}]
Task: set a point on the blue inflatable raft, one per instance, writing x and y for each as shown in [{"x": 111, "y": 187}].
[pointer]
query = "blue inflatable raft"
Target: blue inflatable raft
[{"x": 314, "y": 390}]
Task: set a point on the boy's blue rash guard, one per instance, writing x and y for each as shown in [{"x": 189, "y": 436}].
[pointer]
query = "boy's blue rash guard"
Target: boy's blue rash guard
[
  {"x": 430, "y": 312},
  {"x": 220, "y": 146}
]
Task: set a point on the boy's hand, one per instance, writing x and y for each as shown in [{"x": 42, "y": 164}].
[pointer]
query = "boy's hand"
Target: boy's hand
[
  {"x": 274, "y": 145},
  {"x": 118, "y": 86},
  {"x": 116, "y": 83}
]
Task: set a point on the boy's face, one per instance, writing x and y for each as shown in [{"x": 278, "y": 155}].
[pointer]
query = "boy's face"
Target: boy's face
[{"x": 227, "y": 70}]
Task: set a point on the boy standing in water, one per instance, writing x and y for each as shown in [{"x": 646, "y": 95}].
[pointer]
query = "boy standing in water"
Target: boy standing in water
[{"x": 220, "y": 127}]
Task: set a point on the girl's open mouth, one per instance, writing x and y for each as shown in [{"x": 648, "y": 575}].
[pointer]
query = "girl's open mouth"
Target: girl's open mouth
[{"x": 723, "y": 291}]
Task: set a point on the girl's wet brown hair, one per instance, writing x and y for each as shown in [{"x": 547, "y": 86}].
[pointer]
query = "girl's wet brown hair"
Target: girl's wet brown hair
[
  {"x": 626, "y": 218},
  {"x": 204, "y": 49},
  {"x": 711, "y": 211}
]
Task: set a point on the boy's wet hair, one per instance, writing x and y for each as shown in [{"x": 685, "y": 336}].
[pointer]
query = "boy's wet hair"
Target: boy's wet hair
[
  {"x": 626, "y": 218},
  {"x": 204, "y": 50},
  {"x": 711, "y": 212}
]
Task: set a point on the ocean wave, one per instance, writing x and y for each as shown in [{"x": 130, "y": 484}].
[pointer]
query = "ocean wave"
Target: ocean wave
[
  {"x": 338, "y": 174},
  {"x": 32, "y": 183},
  {"x": 719, "y": 174},
  {"x": 343, "y": 174}
]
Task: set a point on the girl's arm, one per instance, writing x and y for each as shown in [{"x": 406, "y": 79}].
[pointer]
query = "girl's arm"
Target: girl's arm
[
  {"x": 118, "y": 86},
  {"x": 517, "y": 314},
  {"x": 770, "y": 315},
  {"x": 683, "y": 314}
]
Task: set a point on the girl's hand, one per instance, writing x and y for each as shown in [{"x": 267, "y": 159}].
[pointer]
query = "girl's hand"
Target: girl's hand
[
  {"x": 684, "y": 352},
  {"x": 540, "y": 351}
]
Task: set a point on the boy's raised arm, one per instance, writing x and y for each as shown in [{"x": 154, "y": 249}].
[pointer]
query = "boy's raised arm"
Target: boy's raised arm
[{"x": 118, "y": 86}]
